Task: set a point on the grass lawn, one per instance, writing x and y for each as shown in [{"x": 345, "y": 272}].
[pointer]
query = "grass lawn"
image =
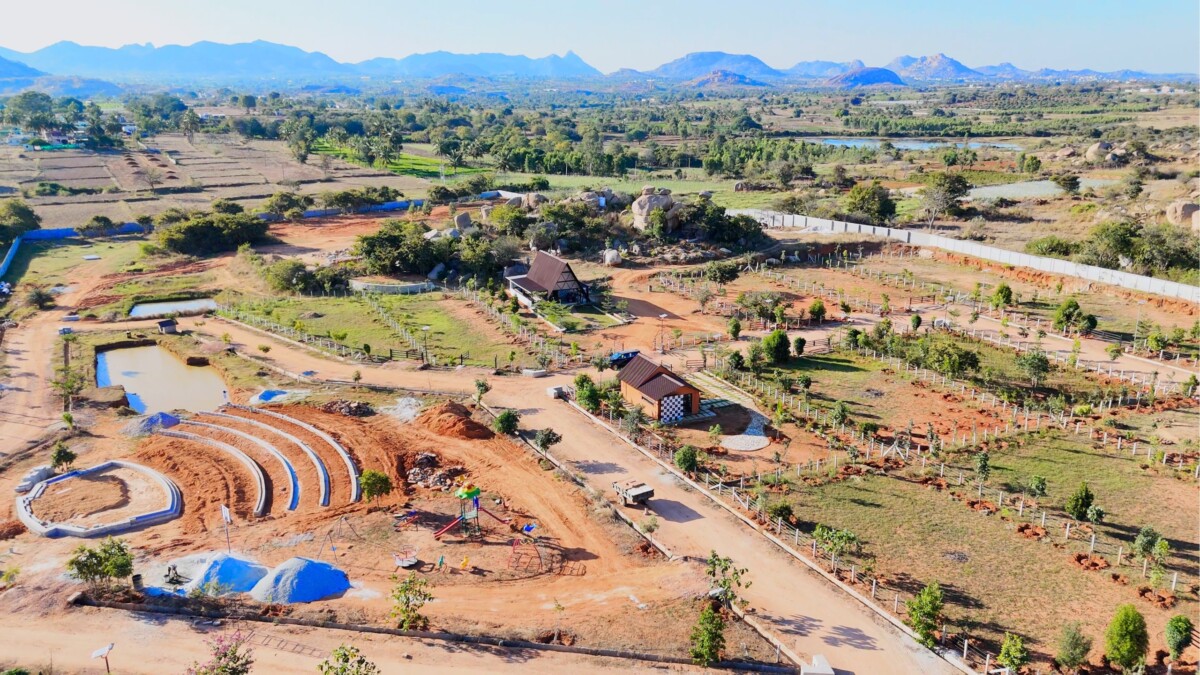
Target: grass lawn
[
  {"x": 592, "y": 316},
  {"x": 46, "y": 263},
  {"x": 420, "y": 165},
  {"x": 995, "y": 580},
  {"x": 449, "y": 336}
]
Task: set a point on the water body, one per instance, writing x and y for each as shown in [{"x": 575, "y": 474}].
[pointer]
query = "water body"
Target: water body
[
  {"x": 156, "y": 380},
  {"x": 911, "y": 143},
  {"x": 1032, "y": 188},
  {"x": 146, "y": 310}
]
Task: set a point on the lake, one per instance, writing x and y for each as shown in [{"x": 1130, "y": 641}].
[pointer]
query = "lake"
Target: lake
[
  {"x": 911, "y": 143},
  {"x": 1032, "y": 188},
  {"x": 156, "y": 380},
  {"x": 145, "y": 310}
]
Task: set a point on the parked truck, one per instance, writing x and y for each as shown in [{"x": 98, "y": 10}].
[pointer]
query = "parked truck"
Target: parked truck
[{"x": 633, "y": 492}]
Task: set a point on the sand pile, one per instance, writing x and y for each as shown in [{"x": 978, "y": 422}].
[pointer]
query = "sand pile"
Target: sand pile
[
  {"x": 224, "y": 573},
  {"x": 301, "y": 580},
  {"x": 453, "y": 420}
]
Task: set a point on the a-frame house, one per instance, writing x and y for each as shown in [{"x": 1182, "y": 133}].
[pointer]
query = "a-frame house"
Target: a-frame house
[{"x": 549, "y": 278}]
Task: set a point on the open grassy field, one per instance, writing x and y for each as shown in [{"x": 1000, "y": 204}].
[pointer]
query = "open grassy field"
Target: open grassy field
[
  {"x": 46, "y": 263},
  {"x": 450, "y": 334},
  {"x": 996, "y": 580}
]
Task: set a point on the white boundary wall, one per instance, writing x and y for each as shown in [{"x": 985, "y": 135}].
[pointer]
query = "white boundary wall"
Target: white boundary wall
[
  {"x": 47, "y": 529},
  {"x": 1135, "y": 282}
]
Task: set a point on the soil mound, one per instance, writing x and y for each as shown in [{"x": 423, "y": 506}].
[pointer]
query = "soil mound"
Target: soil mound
[
  {"x": 453, "y": 420},
  {"x": 1089, "y": 562},
  {"x": 1031, "y": 531},
  {"x": 10, "y": 529}
]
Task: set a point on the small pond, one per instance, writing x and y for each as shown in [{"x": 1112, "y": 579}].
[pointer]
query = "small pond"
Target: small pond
[
  {"x": 911, "y": 143},
  {"x": 145, "y": 310},
  {"x": 156, "y": 380},
  {"x": 1032, "y": 188}
]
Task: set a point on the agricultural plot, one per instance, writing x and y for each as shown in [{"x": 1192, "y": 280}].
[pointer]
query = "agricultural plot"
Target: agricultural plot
[
  {"x": 47, "y": 263},
  {"x": 454, "y": 330},
  {"x": 1037, "y": 294},
  {"x": 995, "y": 577}
]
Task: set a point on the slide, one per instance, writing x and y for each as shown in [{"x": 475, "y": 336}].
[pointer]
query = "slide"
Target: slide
[
  {"x": 446, "y": 529},
  {"x": 498, "y": 518}
]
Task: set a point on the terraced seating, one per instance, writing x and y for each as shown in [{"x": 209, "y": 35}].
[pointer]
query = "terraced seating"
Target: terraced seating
[
  {"x": 267, "y": 447},
  {"x": 355, "y": 489},
  {"x": 256, "y": 472},
  {"x": 304, "y": 447}
]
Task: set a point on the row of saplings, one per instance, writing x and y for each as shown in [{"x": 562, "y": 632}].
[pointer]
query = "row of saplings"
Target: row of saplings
[{"x": 1126, "y": 641}]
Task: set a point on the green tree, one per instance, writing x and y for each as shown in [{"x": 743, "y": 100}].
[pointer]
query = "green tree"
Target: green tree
[
  {"x": 408, "y": 597},
  {"x": 817, "y": 311},
  {"x": 1126, "y": 640},
  {"x": 687, "y": 459},
  {"x": 726, "y": 579},
  {"x": 62, "y": 457},
  {"x": 374, "y": 484},
  {"x": 871, "y": 201},
  {"x": 1069, "y": 316},
  {"x": 1013, "y": 653},
  {"x": 347, "y": 660},
  {"x": 97, "y": 566},
  {"x": 915, "y": 322},
  {"x": 1073, "y": 647},
  {"x": 708, "y": 637},
  {"x": 1037, "y": 486},
  {"x": 798, "y": 346},
  {"x": 924, "y": 612},
  {"x": 840, "y": 413},
  {"x": 777, "y": 347},
  {"x": 506, "y": 422},
  {"x": 983, "y": 465},
  {"x": 1179, "y": 635},
  {"x": 1002, "y": 296},
  {"x": 481, "y": 387},
  {"x": 735, "y": 328},
  {"x": 1079, "y": 502},
  {"x": 1035, "y": 365},
  {"x": 1067, "y": 182},
  {"x": 941, "y": 194},
  {"x": 16, "y": 218},
  {"x": 545, "y": 439}
]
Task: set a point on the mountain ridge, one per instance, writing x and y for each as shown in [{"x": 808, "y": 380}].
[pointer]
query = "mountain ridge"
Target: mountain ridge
[{"x": 261, "y": 60}]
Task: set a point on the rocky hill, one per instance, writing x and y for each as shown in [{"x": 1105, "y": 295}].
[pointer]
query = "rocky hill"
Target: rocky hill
[{"x": 865, "y": 77}]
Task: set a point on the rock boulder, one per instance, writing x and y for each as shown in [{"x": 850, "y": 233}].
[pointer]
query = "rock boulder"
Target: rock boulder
[
  {"x": 1180, "y": 211},
  {"x": 611, "y": 258},
  {"x": 1097, "y": 151},
  {"x": 651, "y": 199}
]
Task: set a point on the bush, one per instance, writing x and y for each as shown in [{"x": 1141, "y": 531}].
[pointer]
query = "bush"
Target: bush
[
  {"x": 1078, "y": 503},
  {"x": 1179, "y": 635},
  {"x": 1073, "y": 647},
  {"x": 777, "y": 347},
  {"x": 708, "y": 637},
  {"x": 737, "y": 361},
  {"x": 780, "y": 509},
  {"x": 1126, "y": 640},
  {"x": 687, "y": 459},
  {"x": 924, "y": 612},
  {"x": 207, "y": 234},
  {"x": 721, "y": 272},
  {"x": 374, "y": 484},
  {"x": 1013, "y": 653},
  {"x": 506, "y": 422},
  {"x": 40, "y": 298}
]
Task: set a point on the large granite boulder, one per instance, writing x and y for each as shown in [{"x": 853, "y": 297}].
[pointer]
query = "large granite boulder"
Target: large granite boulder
[
  {"x": 611, "y": 257},
  {"x": 462, "y": 220},
  {"x": 1097, "y": 151},
  {"x": 1180, "y": 211},
  {"x": 651, "y": 199},
  {"x": 532, "y": 200}
]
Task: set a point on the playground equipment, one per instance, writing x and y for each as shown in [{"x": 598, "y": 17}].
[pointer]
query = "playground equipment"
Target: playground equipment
[
  {"x": 633, "y": 492},
  {"x": 405, "y": 558},
  {"x": 404, "y": 521},
  {"x": 468, "y": 513}
]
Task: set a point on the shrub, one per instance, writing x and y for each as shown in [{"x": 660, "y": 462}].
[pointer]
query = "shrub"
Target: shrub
[
  {"x": 1073, "y": 647},
  {"x": 1078, "y": 503},
  {"x": 374, "y": 484},
  {"x": 708, "y": 637},
  {"x": 1037, "y": 486},
  {"x": 408, "y": 597},
  {"x": 780, "y": 509},
  {"x": 777, "y": 347},
  {"x": 1013, "y": 653},
  {"x": 924, "y": 611},
  {"x": 506, "y": 422},
  {"x": 206, "y": 234},
  {"x": 1179, "y": 635},
  {"x": 1126, "y": 640},
  {"x": 347, "y": 660},
  {"x": 686, "y": 459},
  {"x": 737, "y": 361}
]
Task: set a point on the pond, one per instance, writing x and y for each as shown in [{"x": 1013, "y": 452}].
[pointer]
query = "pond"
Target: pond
[
  {"x": 1032, "y": 188},
  {"x": 145, "y": 310},
  {"x": 156, "y": 380},
  {"x": 911, "y": 143}
]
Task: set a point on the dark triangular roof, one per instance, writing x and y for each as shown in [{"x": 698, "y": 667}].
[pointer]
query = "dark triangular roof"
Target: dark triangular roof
[
  {"x": 638, "y": 371},
  {"x": 547, "y": 270}
]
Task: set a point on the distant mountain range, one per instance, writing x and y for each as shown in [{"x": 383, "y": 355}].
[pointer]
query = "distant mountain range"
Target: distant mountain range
[
  {"x": 865, "y": 77},
  {"x": 262, "y": 61}
]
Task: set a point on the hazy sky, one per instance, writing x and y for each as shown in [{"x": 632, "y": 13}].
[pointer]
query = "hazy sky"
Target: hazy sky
[{"x": 1154, "y": 35}]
